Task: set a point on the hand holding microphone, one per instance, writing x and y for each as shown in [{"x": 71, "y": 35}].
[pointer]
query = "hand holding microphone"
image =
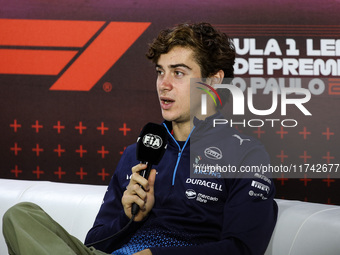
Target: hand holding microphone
[
  {"x": 139, "y": 193},
  {"x": 138, "y": 199}
]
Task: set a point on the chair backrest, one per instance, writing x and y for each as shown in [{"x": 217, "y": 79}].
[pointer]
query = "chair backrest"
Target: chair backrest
[
  {"x": 73, "y": 206},
  {"x": 302, "y": 228},
  {"x": 306, "y": 228}
]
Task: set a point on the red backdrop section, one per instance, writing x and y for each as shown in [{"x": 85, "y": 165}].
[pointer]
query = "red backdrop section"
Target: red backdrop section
[{"x": 76, "y": 87}]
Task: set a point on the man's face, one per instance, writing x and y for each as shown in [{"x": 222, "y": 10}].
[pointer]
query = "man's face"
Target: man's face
[{"x": 174, "y": 71}]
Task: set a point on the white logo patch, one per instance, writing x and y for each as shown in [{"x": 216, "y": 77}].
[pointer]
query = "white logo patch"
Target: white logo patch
[
  {"x": 190, "y": 193},
  {"x": 241, "y": 140},
  {"x": 153, "y": 141},
  {"x": 260, "y": 186},
  {"x": 213, "y": 153}
]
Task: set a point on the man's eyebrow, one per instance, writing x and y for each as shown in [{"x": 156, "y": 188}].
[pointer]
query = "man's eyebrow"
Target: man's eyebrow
[
  {"x": 176, "y": 65},
  {"x": 180, "y": 65}
]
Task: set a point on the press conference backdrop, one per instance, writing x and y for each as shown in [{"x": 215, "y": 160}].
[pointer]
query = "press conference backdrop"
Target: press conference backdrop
[{"x": 76, "y": 88}]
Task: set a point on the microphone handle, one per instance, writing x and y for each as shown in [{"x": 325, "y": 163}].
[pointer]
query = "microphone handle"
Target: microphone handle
[{"x": 144, "y": 173}]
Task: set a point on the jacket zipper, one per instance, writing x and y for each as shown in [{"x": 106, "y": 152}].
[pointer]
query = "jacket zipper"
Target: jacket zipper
[{"x": 180, "y": 151}]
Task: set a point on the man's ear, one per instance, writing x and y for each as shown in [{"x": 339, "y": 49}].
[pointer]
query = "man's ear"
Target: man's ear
[{"x": 217, "y": 78}]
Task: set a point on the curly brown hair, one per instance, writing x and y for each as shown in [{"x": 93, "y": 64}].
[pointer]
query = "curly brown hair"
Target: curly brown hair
[{"x": 213, "y": 50}]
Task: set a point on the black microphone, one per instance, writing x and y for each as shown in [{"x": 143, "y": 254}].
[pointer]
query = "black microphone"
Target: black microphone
[{"x": 151, "y": 146}]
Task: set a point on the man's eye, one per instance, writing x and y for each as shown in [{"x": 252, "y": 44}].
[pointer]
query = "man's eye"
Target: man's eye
[
  {"x": 179, "y": 74},
  {"x": 159, "y": 72}
]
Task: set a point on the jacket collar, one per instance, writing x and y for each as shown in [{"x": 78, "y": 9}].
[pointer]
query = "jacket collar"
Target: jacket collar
[{"x": 200, "y": 127}]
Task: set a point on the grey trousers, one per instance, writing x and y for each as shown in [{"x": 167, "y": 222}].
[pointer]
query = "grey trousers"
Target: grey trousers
[{"x": 28, "y": 230}]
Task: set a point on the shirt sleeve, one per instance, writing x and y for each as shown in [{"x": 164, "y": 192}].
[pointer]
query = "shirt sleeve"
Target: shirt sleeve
[
  {"x": 111, "y": 217},
  {"x": 250, "y": 215}
]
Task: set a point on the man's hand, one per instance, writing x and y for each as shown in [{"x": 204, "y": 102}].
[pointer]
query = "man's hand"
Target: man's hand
[
  {"x": 134, "y": 193},
  {"x": 143, "y": 252}
]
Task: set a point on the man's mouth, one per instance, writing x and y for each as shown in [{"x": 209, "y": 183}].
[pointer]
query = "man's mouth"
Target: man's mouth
[{"x": 166, "y": 102}]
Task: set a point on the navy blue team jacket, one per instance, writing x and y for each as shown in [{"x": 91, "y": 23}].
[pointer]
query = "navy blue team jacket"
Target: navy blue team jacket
[{"x": 203, "y": 213}]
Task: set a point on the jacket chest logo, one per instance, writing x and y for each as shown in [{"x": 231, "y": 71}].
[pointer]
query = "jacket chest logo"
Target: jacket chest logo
[{"x": 213, "y": 153}]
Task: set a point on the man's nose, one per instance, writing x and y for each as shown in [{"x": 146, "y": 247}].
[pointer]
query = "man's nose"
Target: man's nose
[{"x": 166, "y": 82}]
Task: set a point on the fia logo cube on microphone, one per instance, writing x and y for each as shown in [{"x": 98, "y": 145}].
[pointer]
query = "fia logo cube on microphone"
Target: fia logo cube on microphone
[{"x": 151, "y": 143}]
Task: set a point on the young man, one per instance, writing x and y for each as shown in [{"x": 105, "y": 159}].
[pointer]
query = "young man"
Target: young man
[
  {"x": 181, "y": 214},
  {"x": 222, "y": 218}
]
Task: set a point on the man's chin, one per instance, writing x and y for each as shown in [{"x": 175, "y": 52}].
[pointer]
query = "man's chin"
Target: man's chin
[
  {"x": 168, "y": 118},
  {"x": 175, "y": 118}
]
